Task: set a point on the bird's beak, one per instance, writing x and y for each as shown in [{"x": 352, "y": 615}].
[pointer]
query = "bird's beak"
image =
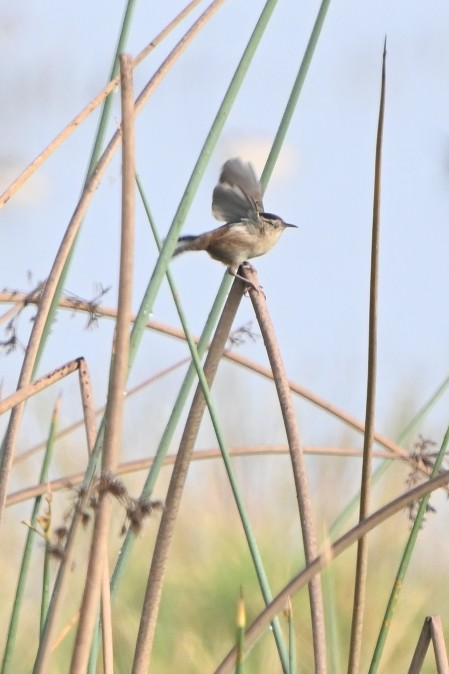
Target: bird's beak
[{"x": 288, "y": 225}]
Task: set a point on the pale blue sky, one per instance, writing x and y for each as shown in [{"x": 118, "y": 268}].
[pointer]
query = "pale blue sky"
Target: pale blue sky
[{"x": 316, "y": 280}]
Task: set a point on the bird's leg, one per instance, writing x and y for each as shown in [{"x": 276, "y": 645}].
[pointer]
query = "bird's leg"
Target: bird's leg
[{"x": 248, "y": 284}]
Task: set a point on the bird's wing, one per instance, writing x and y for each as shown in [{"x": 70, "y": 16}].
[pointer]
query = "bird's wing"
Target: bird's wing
[{"x": 238, "y": 193}]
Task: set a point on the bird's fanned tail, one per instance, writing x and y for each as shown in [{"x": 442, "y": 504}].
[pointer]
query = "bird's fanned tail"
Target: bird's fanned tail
[
  {"x": 238, "y": 193},
  {"x": 187, "y": 242}
]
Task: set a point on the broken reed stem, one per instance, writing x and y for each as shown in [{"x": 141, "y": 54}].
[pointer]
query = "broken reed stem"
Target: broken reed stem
[
  {"x": 106, "y": 613},
  {"x": 99, "y": 410},
  {"x": 87, "y": 401},
  {"x": 117, "y": 384},
  {"x": 44, "y": 382},
  {"x": 298, "y": 466},
  {"x": 365, "y": 490},
  {"x": 24, "y": 390}
]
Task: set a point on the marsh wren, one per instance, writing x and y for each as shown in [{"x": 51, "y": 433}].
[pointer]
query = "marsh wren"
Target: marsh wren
[{"x": 249, "y": 231}]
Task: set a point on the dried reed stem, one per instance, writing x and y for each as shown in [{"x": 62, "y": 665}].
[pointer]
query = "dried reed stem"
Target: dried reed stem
[
  {"x": 44, "y": 382},
  {"x": 46, "y": 645},
  {"x": 117, "y": 383},
  {"x": 106, "y": 622},
  {"x": 436, "y": 631},
  {"x": 432, "y": 631},
  {"x": 298, "y": 465},
  {"x": 106, "y": 614},
  {"x": 365, "y": 489},
  {"x": 70, "y": 481},
  {"x": 87, "y": 401},
  {"x": 421, "y": 648},
  {"x": 159, "y": 560}
]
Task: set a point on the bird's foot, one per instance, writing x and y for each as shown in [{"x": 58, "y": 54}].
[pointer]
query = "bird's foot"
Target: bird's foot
[{"x": 248, "y": 284}]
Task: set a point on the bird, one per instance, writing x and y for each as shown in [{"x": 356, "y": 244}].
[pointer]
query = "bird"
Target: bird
[{"x": 248, "y": 231}]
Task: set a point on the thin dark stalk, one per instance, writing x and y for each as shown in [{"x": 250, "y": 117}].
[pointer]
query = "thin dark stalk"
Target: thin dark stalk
[
  {"x": 266, "y": 616},
  {"x": 169, "y": 516},
  {"x": 298, "y": 466},
  {"x": 365, "y": 490}
]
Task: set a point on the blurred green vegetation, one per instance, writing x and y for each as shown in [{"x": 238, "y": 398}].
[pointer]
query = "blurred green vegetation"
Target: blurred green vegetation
[{"x": 209, "y": 562}]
